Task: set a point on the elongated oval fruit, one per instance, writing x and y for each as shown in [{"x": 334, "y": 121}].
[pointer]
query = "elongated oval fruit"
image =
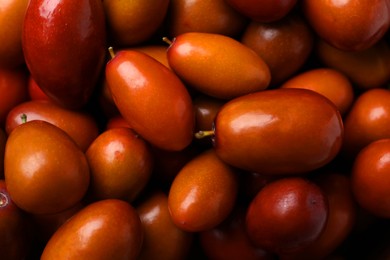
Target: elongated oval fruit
[
  {"x": 152, "y": 99},
  {"x": 64, "y": 44},
  {"x": 217, "y": 65},
  {"x": 106, "y": 229},
  {"x": 203, "y": 193},
  {"x": 279, "y": 131}
]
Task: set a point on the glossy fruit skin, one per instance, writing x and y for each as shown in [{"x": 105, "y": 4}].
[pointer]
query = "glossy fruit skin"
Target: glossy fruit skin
[
  {"x": 349, "y": 25},
  {"x": 263, "y": 10},
  {"x": 11, "y": 20},
  {"x": 342, "y": 214},
  {"x": 134, "y": 22},
  {"x": 286, "y": 215},
  {"x": 78, "y": 124},
  {"x": 369, "y": 68},
  {"x": 203, "y": 193},
  {"x": 120, "y": 163},
  {"x": 328, "y": 82},
  {"x": 229, "y": 240},
  {"x": 284, "y": 45},
  {"x": 162, "y": 116},
  {"x": 367, "y": 121},
  {"x": 48, "y": 173},
  {"x": 65, "y": 47},
  {"x": 157, "y": 223},
  {"x": 370, "y": 178},
  {"x": 14, "y": 240},
  {"x": 208, "y": 16},
  {"x": 225, "y": 73},
  {"x": 106, "y": 229},
  {"x": 278, "y": 131},
  {"x": 13, "y": 89}
]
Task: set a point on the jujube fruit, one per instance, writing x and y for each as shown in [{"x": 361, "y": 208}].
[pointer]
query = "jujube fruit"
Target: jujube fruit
[
  {"x": 152, "y": 99},
  {"x": 278, "y": 131},
  {"x": 106, "y": 229},
  {"x": 228, "y": 72},
  {"x": 287, "y": 215},
  {"x": 49, "y": 173}
]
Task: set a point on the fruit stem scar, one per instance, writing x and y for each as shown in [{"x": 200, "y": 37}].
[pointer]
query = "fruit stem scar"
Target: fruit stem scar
[
  {"x": 23, "y": 117},
  {"x": 202, "y": 134},
  {"x": 3, "y": 200},
  {"x": 166, "y": 40},
  {"x": 111, "y": 51}
]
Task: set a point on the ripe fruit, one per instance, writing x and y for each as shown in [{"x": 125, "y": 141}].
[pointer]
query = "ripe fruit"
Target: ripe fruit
[
  {"x": 369, "y": 68},
  {"x": 11, "y": 20},
  {"x": 203, "y": 193},
  {"x": 284, "y": 45},
  {"x": 228, "y": 72},
  {"x": 157, "y": 223},
  {"x": 45, "y": 171},
  {"x": 370, "y": 178},
  {"x": 368, "y": 120},
  {"x": 287, "y": 215},
  {"x": 350, "y": 25},
  {"x": 64, "y": 47},
  {"x": 328, "y": 82},
  {"x": 208, "y": 16},
  {"x": 78, "y": 124},
  {"x": 342, "y": 214},
  {"x": 152, "y": 99},
  {"x": 278, "y": 131},
  {"x": 134, "y": 22},
  {"x": 107, "y": 229},
  {"x": 120, "y": 163}
]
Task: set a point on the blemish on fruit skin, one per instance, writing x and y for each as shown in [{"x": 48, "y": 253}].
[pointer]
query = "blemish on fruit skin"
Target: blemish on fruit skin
[{"x": 4, "y": 201}]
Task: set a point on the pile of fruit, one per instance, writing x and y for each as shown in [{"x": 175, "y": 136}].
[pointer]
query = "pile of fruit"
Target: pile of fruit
[{"x": 194, "y": 129}]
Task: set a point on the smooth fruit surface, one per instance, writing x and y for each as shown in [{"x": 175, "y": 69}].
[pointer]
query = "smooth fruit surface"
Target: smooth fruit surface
[
  {"x": 11, "y": 20},
  {"x": 328, "y": 82},
  {"x": 157, "y": 223},
  {"x": 370, "y": 178},
  {"x": 350, "y": 25},
  {"x": 152, "y": 99},
  {"x": 121, "y": 164},
  {"x": 78, "y": 124},
  {"x": 228, "y": 72},
  {"x": 278, "y": 131},
  {"x": 203, "y": 193},
  {"x": 64, "y": 43},
  {"x": 287, "y": 215},
  {"x": 107, "y": 229},
  {"x": 48, "y": 173}
]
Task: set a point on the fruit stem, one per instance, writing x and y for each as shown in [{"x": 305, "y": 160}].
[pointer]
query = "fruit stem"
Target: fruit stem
[
  {"x": 111, "y": 51},
  {"x": 166, "y": 40},
  {"x": 202, "y": 134},
  {"x": 23, "y": 117}
]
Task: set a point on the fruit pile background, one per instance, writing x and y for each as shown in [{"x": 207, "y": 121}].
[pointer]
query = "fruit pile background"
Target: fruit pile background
[{"x": 194, "y": 129}]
